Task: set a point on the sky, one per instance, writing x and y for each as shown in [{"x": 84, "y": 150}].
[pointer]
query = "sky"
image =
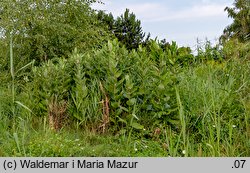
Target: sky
[{"x": 183, "y": 21}]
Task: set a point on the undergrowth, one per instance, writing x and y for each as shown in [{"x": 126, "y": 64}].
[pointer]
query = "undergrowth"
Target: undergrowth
[{"x": 115, "y": 102}]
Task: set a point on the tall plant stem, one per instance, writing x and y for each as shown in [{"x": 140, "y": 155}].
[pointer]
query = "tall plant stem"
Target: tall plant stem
[{"x": 12, "y": 75}]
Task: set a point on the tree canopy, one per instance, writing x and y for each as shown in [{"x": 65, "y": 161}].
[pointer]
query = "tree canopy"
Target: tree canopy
[
  {"x": 126, "y": 28},
  {"x": 46, "y": 29},
  {"x": 240, "y": 28}
]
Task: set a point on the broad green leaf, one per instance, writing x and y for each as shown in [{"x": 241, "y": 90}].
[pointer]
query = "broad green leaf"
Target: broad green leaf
[{"x": 137, "y": 126}]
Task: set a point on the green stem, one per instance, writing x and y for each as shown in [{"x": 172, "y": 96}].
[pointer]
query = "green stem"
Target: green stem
[{"x": 12, "y": 75}]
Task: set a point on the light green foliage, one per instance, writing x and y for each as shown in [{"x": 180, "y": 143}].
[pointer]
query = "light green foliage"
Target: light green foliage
[
  {"x": 43, "y": 29},
  {"x": 137, "y": 86},
  {"x": 208, "y": 52},
  {"x": 51, "y": 80},
  {"x": 214, "y": 106},
  {"x": 170, "y": 54},
  {"x": 30, "y": 142},
  {"x": 85, "y": 96},
  {"x": 234, "y": 49},
  {"x": 156, "y": 106}
]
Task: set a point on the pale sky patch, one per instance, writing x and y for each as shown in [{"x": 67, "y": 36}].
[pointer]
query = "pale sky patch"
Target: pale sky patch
[
  {"x": 183, "y": 21},
  {"x": 157, "y": 13}
]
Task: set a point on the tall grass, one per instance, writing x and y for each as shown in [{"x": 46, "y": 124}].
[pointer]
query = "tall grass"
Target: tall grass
[
  {"x": 11, "y": 110},
  {"x": 182, "y": 120},
  {"x": 212, "y": 101},
  {"x": 13, "y": 86},
  {"x": 12, "y": 76}
]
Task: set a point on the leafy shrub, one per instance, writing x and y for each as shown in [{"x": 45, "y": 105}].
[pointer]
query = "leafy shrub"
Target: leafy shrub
[{"x": 111, "y": 86}]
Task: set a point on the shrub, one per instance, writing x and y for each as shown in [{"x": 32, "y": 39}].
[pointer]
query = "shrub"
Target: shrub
[{"x": 112, "y": 86}]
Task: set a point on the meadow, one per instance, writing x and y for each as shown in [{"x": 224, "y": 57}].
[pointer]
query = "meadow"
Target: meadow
[{"x": 111, "y": 101}]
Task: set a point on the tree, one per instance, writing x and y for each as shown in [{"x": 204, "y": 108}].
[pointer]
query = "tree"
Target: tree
[
  {"x": 45, "y": 29},
  {"x": 240, "y": 28},
  {"x": 126, "y": 28},
  {"x": 106, "y": 19}
]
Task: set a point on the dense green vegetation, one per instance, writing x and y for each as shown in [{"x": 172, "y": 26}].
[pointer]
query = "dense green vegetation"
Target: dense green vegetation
[
  {"x": 72, "y": 86},
  {"x": 239, "y": 29}
]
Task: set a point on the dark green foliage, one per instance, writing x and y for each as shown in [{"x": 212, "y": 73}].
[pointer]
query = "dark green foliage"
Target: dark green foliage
[
  {"x": 236, "y": 37},
  {"x": 126, "y": 28},
  {"x": 240, "y": 28},
  {"x": 106, "y": 19}
]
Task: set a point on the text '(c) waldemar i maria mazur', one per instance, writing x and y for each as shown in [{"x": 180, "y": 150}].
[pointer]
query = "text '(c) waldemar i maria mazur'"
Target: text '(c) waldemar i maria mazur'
[{"x": 78, "y": 164}]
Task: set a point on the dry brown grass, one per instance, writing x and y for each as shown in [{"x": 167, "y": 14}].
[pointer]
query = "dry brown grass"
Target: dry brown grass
[{"x": 57, "y": 114}]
